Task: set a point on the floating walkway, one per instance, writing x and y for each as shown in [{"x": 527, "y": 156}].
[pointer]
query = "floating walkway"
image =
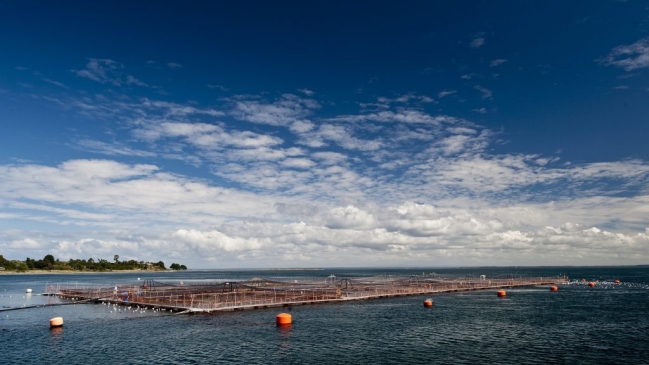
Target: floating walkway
[{"x": 257, "y": 293}]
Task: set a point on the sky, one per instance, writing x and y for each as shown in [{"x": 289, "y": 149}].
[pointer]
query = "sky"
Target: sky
[{"x": 256, "y": 134}]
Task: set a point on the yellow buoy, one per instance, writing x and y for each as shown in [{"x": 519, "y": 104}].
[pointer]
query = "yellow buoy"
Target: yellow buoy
[
  {"x": 56, "y": 322},
  {"x": 501, "y": 293},
  {"x": 428, "y": 303},
  {"x": 284, "y": 319}
]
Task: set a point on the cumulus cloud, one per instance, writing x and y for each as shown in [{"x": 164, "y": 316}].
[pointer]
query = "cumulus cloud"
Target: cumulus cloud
[
  {"x": 407, "y": 233},
  {"x": 115, "y": 187},
  {"x": 282, "y": 183}
]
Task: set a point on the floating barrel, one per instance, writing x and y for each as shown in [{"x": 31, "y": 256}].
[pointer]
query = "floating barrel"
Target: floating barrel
[
  {"x": 428, "y": 303},
  {"x": 591, "y": 284},
  {"x": 501, "y": 293},
  {"x": 56, "y": 322},
  {"x": 284, "y": 319},
  {"x": 554, "y": 288},
  {"x": 616, "y": 281}
]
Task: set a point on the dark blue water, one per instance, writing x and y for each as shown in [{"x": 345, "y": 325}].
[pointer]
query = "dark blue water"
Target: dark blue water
[{"x": 608, "y": 324}]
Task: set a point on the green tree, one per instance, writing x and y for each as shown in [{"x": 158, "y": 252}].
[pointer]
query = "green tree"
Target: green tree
[
  {"x": 116, "y": 258},
  {"x": 49, "y": 259},
  {"x": 7, "y": 264}
]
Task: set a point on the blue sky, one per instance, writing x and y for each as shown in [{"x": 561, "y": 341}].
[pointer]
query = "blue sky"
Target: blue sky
[{"x": 231, "y": 134}]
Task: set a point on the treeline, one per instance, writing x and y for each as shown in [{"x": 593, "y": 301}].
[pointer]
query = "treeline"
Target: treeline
[{"x": 50, "y": 263}]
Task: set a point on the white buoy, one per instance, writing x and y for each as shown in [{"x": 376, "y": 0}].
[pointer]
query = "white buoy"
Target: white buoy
[{"x": 28, "y": 291}]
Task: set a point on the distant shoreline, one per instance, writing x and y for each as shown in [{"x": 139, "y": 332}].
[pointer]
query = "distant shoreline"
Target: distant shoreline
[{"x": 66, "y": 272}]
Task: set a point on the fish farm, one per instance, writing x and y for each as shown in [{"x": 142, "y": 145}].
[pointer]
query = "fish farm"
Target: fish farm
[{"x": 205, "y": 296}]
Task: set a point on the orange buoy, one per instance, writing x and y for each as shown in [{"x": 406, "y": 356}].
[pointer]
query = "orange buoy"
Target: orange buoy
[
  {"x": 501, "y": 293},
  {"x": 284, "y": 319},
  {"x": 428, "y": 303},
  {"x": 591, "y": 284},
  {"x": 554, "y": 288},
  {"x": 616, "y": 281},
  {"x": 56, "y": 322}
]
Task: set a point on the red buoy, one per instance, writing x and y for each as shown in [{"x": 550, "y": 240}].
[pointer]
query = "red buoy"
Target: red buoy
[
  {"x": 616, "y": 281},
  {"x": 428, "y": 303},
  {"x": 591, "y": 284},
  {"x": 501, "y": 293},
  {"x": 554, "y": 288},
  {"x": 284, "y": 319}
]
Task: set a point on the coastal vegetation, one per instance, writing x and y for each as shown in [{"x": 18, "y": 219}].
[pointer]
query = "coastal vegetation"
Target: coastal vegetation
[{"x": 53, "y": 264}]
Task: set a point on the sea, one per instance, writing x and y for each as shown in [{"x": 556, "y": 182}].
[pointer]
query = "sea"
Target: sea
[{"x": 578, "y": 324}]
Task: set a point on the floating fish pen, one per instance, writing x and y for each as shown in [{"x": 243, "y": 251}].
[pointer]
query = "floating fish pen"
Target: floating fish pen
[{"x": 211, "y": 296}]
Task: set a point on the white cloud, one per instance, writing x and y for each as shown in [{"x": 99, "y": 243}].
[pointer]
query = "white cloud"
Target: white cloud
[
  {"x": 176, "y": 213},
  {"x": 126, "y": 191},
  {"x": 295, "y": 186},
  {"x": 402, "y": 116},
  {"x": 497, "y": 62},
  {"x": 283, "y": 112},
  {"x": 629, "y": 57},
  {"x": 343, "y": 137},
  {"x": 477, "y": 42},
  {"x": 174, "y": 65},
  {"x": 301, "y": 126},
  {"x": 446, "y": 93},
  {"x": 53, "y": 82},
  {"x": 131, "y": 80},
  {"x": 306, "y": 92},
  {"x": 486, "y": 93},
  {"x": 206, "y": 136},
  {"x": 103, "y": 71},
  {"x": 175, "y": 109},
  {"x": 301, "y": 163}
]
